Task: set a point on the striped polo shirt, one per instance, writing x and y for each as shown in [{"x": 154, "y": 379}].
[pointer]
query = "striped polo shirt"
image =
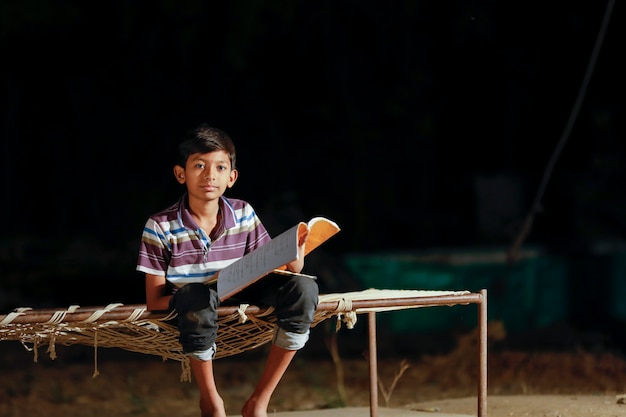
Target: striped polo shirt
[{"x": 174, "y": 246}]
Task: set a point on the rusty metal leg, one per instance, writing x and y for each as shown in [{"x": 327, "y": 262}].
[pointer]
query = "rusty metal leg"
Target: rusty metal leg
[
  {"x": 482, "y": 355},
  {"x": 373, "y": 364}
]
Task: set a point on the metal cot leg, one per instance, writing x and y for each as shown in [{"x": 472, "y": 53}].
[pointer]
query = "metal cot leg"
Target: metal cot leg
[
  {"x": 373, "y": 364},
  {"x": 482, "y": 355}
]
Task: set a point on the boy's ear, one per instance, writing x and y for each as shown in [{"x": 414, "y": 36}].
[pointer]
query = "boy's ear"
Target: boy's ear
[
  {"x": 234, "y": 174},
  {"x": 179, "y": 173}
]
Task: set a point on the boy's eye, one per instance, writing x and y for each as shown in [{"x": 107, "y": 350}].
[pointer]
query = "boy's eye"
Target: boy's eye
[
  {"x": 221, "y": 167},
  {"x": 199, "y": 165}
]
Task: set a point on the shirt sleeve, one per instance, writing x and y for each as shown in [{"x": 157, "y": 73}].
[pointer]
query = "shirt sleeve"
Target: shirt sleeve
[{"x": 154, "y": 251}]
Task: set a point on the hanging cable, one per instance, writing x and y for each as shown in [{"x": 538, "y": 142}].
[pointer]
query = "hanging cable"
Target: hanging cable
[{"x": 536, "y": 206}]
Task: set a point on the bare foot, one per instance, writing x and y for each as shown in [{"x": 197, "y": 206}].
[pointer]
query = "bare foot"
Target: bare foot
[
  {"x": 254, "y": 408},
  {"x": 213, "y": 408}
]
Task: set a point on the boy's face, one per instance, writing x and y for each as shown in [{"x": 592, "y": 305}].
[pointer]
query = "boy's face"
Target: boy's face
[{"x": 207, "y": 175}]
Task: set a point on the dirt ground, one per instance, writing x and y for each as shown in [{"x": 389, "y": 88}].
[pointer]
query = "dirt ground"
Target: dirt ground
[{"x": 556, "y": 383}]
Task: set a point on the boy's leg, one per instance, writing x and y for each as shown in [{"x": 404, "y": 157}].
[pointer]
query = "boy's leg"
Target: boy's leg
[
  {"x": 295, "y": 302},
  {"x": 196, "y": 306},
  {"x": 211, "y": 404},
  {"x": 277, "y": 363}
]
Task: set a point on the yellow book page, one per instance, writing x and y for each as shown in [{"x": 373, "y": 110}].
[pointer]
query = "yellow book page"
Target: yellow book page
[{"x": 320, "y": 230}]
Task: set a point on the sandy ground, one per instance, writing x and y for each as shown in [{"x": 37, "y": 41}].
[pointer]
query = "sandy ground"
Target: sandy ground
[
  {"x": 521, "y": 383},
  {"x": 530, "y": 405}
]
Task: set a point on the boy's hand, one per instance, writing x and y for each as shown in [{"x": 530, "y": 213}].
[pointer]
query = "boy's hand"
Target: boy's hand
[
  {"x": 298, "y": 264},
  {"x": 302, "y": 235}
]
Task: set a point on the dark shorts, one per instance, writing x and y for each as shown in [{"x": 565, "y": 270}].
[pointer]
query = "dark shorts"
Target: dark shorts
[{"x": 294, "y": 299}]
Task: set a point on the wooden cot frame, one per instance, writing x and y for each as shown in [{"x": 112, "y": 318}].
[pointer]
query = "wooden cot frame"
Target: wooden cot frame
[{"x": 26, "y": 326}]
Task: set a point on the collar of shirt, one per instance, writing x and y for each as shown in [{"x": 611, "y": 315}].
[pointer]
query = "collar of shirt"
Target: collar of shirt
[{"x": 187, "y": 221}]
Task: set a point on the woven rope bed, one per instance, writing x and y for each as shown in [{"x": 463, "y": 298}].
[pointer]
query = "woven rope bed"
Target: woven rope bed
[{"x": 243, "y": 327}]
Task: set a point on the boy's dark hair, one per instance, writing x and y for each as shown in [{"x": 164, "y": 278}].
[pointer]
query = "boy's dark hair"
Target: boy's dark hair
[{"x": 204, "y": 139}]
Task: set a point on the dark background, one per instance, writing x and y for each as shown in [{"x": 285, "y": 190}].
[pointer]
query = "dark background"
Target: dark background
[{"x": 415, "y": 125}]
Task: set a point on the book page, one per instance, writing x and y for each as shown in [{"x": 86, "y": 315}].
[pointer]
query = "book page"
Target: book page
[
  {"x": 320, "y": 230},
  {"x": 273, "y": 255},
  {"x": 279, "y": 251},
  {"x": 289, "y": 273}
]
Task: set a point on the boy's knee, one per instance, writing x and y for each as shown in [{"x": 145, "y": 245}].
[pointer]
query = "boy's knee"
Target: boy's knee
[
  {"x": 193, "y": 297},
  {"x": 302, "y": 289},
  {"x": 309, "y": 286},
  {"x": 297, "y": 302},
  {"x": 196, "y": 306}
]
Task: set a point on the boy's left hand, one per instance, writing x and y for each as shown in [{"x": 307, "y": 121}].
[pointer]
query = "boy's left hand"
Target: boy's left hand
[
  {"x": 298, "y": 264},
  {"x": 304, "y": 233}
]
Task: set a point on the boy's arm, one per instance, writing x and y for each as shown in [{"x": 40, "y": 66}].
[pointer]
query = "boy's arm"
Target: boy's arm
[{"x": 155, "y": 293}]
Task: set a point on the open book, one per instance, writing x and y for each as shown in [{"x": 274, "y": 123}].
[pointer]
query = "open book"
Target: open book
[{"x": 273, "y": 256}]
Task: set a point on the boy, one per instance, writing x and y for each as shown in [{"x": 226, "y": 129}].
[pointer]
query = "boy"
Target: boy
[{"x": 184, "y": 247}]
